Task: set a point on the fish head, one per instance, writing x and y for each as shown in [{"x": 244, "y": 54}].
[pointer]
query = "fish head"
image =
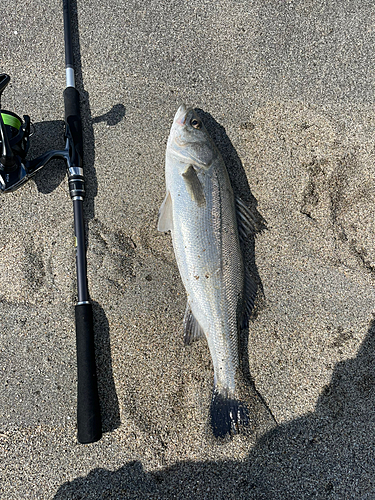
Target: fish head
[{"x": 189, "y": 140}]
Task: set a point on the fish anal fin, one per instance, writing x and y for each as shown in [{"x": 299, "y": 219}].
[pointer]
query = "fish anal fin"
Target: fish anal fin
[
  {"x": 165, "y": 220},
  {"x": 192, "y": 329},
  {"x": 250, "y": 222}
]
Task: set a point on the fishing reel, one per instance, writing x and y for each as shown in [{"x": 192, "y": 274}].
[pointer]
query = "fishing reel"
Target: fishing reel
[{"x": 15, "y": 170}]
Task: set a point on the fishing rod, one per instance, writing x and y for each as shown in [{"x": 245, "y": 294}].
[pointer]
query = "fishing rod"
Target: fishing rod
[
  {"x": 15, "y": 170},
  {"x": 88, "y": 409}
]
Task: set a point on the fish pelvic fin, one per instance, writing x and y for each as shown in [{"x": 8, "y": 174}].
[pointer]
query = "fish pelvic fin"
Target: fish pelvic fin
[
  {"x": 228, "y": 415},
  {"x": 192, "y": 329},
  {"x": 249, "y": 220},
  {"x": 165, "y": 220}
]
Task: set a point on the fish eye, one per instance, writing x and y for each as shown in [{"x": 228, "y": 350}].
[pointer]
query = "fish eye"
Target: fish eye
[{"x": 195, "y": 123}]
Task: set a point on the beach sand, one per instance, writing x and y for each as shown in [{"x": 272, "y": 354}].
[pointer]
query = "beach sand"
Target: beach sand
[{"x": 286, "y": 89}]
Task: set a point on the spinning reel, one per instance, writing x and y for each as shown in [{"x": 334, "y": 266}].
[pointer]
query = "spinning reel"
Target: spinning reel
[{"x": 15, "y": 170}]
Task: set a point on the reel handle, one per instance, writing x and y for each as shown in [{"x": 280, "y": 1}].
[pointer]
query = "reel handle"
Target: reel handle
[{"x": 4, "y": 80}]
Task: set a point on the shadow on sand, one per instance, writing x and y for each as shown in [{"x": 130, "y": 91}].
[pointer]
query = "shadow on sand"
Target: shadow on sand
[
  {"x": 322, "y": 455},
  {"x": 241, "y": 190}
]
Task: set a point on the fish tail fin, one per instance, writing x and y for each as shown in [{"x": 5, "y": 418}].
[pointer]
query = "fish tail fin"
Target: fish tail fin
[{"x": 228, "y": 414}]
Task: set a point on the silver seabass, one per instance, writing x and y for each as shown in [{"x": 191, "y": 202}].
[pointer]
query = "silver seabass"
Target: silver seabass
[{"x": 200, "y": 211}]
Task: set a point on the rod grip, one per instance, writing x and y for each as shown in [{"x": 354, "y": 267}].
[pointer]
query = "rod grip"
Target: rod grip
[
  {"x": 73, "y": 125},
  {"x": 88, "y": 409}
]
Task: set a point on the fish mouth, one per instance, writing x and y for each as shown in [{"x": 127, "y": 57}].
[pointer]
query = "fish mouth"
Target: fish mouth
[{"x": 180, "y": 116}]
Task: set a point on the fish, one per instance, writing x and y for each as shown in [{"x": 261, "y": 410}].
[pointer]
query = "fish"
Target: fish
[{"x": 207, "y": 224}]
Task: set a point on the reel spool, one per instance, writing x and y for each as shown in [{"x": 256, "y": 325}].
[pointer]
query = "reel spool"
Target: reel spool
[
  {"x": 17, "y": 132},
  {"x": 14, "y": 142}
]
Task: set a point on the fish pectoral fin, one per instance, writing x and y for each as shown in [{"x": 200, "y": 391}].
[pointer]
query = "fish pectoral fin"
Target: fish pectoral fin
[
  {"x": 250, "y": 222},
  {"x": 194, "y": 186},
  {"x": 192, "y": 329},
  {"x": 165, "y": 220},
  {"x": 250, "y": 292}
]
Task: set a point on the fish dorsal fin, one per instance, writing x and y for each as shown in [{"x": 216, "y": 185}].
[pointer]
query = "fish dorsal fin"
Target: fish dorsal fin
[
  {"x": 250, "y": 292},
  {"x": 194, "y": 186},
  {"x": 192, "y": 329},
  {"x": 165, "y": 220},
  {"x": 249, "y": 220}
]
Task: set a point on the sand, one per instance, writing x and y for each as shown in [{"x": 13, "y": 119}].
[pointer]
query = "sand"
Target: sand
[{"x": 286, "y": 89}]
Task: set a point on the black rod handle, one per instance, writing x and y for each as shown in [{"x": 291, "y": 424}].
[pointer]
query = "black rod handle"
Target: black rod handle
[
  {"x": 73, "y": 126},
  {"x": 88, "y": 408}
]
